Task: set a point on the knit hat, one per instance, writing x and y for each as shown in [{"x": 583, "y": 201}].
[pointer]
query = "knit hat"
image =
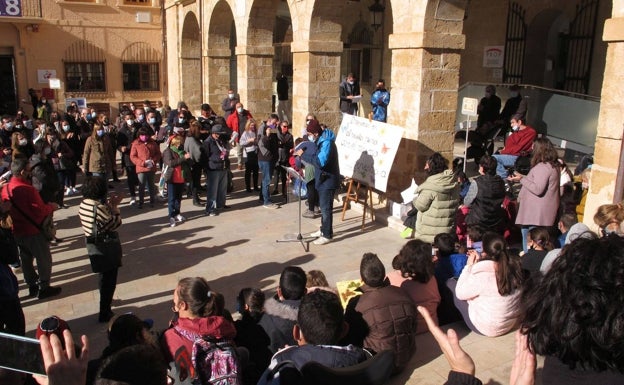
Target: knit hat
[{"x": 314, "y": 127}]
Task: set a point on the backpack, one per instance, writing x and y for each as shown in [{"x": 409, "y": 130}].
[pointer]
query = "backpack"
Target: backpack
[{"x": 215, "y": 361}]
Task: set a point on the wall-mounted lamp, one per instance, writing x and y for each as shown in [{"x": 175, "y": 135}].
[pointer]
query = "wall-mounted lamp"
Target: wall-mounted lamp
[{"x": 377, "y": 11}]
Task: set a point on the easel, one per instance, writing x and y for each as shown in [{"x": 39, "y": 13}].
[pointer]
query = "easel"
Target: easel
[{"x": 353, "y": 196}]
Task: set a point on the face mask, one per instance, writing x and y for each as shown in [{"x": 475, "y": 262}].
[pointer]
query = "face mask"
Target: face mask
[
  {"x": 351, "y": 82},
  {"x": 311, "y": 138},
  {"x": 487, "y": 94},
  {"x": 181, "y": 120},
  {"x": 515, "y": 127},
  {"x": 43, "y": 127},
  {"x": 240, "y": 110},
  {"x": 130, "y": 122},
  {"x": 231, "y": 96},
  {"x": 23, "y": 142},
  {"x": 513, "y": 94},
  {"x": 18, "y": 127},
  {"x": 141, "y": 118},
  {"x": 8, "y": 126},
  {"x": 100, "y": 133},
  {"x": 47, "y": 151},
  {"x": 585, "y": 185},
  {"x": 43, "y": 101},
  {"x": 152, "y": 121},
  {"x": 143, "y": 138},
  {"x": 65, "y": 128}
]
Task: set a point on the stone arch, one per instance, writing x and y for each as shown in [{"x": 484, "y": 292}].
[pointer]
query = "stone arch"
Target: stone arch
[
  {"x": 221, "y": 60},
  {"x": 190, "y": 61}
]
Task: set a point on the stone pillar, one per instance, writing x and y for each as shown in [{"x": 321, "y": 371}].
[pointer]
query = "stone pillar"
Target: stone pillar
[
  {"x": 216, "y": 76},
  {"x": 425, "y": 73},
  {"x": 255, "y": 76},
  {"x": 315, "y": 82},
  {"x": 607, "y": 153}
]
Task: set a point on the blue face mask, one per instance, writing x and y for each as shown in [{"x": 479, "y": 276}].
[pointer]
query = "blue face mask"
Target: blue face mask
[
  {"x": 100, "y": 133},
  {"x": 311, "y": 138},
  {"x": 152, "y": 121},
  {"x": 181, "y": 120}
]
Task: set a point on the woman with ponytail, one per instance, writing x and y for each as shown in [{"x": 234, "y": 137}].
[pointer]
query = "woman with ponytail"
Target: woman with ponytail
[
  {"x": 198, "y": 312},
  {"x": 488, "y": 287}
]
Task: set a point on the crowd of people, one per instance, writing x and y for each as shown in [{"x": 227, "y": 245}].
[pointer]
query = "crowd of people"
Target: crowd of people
[{"x": 561, "y": 290}]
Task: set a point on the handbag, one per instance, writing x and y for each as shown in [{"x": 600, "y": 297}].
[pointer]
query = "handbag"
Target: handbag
[
  {"x": 46, "y": 227},
  {"x": 104, "y": 249}
]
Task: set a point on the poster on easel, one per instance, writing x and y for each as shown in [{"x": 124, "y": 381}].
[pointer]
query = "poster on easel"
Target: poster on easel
[{"x": 366, "y": 150}]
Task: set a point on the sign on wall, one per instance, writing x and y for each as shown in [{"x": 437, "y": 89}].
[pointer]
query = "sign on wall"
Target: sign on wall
[
  {"x": 44, "y": 76},
  {"x": 11, "y": 8},
  {"x": 493, "y": 56},
  {"x": 366, "y": 150}
]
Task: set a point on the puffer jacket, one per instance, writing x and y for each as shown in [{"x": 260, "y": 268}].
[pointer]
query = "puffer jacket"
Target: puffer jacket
[
  {"x": 278, "y": 320},
  {"x": 142, "y": 151},
  {"x": 437, "y": 199},
  {"x": 389, "y": 316}
]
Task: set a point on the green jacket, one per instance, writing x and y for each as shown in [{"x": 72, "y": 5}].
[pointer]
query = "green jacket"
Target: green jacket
[{"x": 436, "y": 200}]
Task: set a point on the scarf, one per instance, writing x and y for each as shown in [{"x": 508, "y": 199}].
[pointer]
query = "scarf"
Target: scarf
[{"x": 184, "y": 165}]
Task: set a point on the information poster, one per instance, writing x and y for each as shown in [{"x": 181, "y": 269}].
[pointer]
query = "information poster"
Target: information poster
[{"x": 366, "y": 150}]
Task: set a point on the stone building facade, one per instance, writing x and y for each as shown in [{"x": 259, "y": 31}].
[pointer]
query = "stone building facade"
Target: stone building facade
[
  {"x": 424, "y": 49},
  {"x": 106, "y": 51}
]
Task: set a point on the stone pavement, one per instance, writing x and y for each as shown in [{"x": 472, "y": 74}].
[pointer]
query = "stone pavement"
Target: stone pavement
[{"x": 233, "y": 250}]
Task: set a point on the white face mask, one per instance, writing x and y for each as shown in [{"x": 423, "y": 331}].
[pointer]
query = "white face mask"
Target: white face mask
[
  {"x": 311, "y": 137},
  {"x": 65, "y": 128},
  {"x": 240, "y": 110},
  {"x": 23, "y": 142},
  {"x": 130, "y": 122},
  {"x": 231, "y": 96},
  {"x": 515, "y": 127}
]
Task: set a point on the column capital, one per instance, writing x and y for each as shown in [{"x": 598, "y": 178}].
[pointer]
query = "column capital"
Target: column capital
[
  {"x": 317, "y": 46},
  {"x": 426, "y": 40},
  {"x": 613, "y": 30},
  {"x": 255, "y": 50}
]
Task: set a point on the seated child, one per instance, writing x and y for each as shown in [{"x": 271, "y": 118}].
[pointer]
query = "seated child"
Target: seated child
[
  {"x": 446, "y": 267},
  {"x": 383, "y": 317},
  {"x": 414, "y": 273},
  {"x": 280, "y": 311},
  {"x": 320, "y": 325},
  {"x": 316, "y": 280},
  {"x": 538, "y": 244}
]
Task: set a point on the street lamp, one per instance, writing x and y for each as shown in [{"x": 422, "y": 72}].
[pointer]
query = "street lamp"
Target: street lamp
[{"x": 377, "y": 11}]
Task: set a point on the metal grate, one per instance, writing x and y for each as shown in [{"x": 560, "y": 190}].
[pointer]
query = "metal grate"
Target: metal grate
[
  {"x": 579, "y": 47},
  {"x": 514, "y": 44},
  {"x": 83, "y": 51},
  {"x": 140, "y": 52}
]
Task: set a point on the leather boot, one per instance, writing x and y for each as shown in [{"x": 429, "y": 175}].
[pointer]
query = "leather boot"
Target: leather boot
[{"x": 197, "y": 200}]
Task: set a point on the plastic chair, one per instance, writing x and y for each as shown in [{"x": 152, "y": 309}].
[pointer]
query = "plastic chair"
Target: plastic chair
[{"x": 374, "y": 371}]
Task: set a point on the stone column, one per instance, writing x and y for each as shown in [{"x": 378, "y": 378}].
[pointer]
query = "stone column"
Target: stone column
[
  {"x": 607, "y": 152},
  {"x": 315, "y": 82},
  {"x": 255, "y": 76},
  {"x": 425, "y": 79},
  {"x": 217, "y": 81}
]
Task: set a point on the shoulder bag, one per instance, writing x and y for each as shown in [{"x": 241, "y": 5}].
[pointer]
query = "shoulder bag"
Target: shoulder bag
[{"x": 104, "y": 249}]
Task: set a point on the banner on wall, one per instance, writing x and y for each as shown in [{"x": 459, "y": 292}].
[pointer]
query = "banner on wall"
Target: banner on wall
[{"x": 366, "y": 150}]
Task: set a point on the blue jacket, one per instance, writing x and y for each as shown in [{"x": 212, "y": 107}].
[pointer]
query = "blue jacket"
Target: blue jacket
[
  {"x": 379, "y": 102},
  {"x": 326, "y": 167}
]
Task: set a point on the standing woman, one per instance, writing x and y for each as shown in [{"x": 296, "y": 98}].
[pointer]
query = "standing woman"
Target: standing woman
[
  {"x": 178, "y": 162},
  {"x": 61, "y": 156},
  {"x": 145, "y": 154},
  {"x": 193, "y": 146},
  {"x": 249, "y": 143},
  {"x": 539, "y": 195},
  {"x": 96, "y": 157},
  {"x": 95, "y": 208},
  {"x": 69, "y": 136}
]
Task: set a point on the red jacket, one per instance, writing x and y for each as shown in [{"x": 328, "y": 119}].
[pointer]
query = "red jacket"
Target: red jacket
[
  {"x": 519, "y": 141},
  {"x": 142, "y": 151},
  {"x": 27, "y": 198},
  {"x": 232, "y": 122}
]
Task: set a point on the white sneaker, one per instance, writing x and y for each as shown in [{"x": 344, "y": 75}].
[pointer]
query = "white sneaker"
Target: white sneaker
[
  {"x": 172, "y": 222},
  {"x": 322, "y": 241},
  {"x": 179, "y": 218},
  {"x": 132, "y": 201},
  {"x": 316, "y": 234},
  {"x": 270, "y": 206},
  {"x": 74, "y": 190},
  {"x": 68, "y": 192}
]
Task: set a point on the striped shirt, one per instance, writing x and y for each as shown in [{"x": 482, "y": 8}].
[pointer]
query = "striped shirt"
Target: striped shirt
[{"x": 106, "y": 219}]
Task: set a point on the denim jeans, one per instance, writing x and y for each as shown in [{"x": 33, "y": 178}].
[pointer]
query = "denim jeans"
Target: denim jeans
[
  {"x": 174, "y": 198},
  {"x": 147, "y": 179},
  {"x": 216, "y": 190},
  {"x": 504, "y": 161},
  {"x": 267, "y": 170},
  {"x": 326, "y": 202}
]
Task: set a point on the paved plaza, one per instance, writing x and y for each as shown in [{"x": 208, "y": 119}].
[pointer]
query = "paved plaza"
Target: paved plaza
[{"x": 236, "y": 249}]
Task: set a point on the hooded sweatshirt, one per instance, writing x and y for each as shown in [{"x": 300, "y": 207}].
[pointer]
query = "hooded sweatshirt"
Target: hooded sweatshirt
[{"x": 437, "y": 199}]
